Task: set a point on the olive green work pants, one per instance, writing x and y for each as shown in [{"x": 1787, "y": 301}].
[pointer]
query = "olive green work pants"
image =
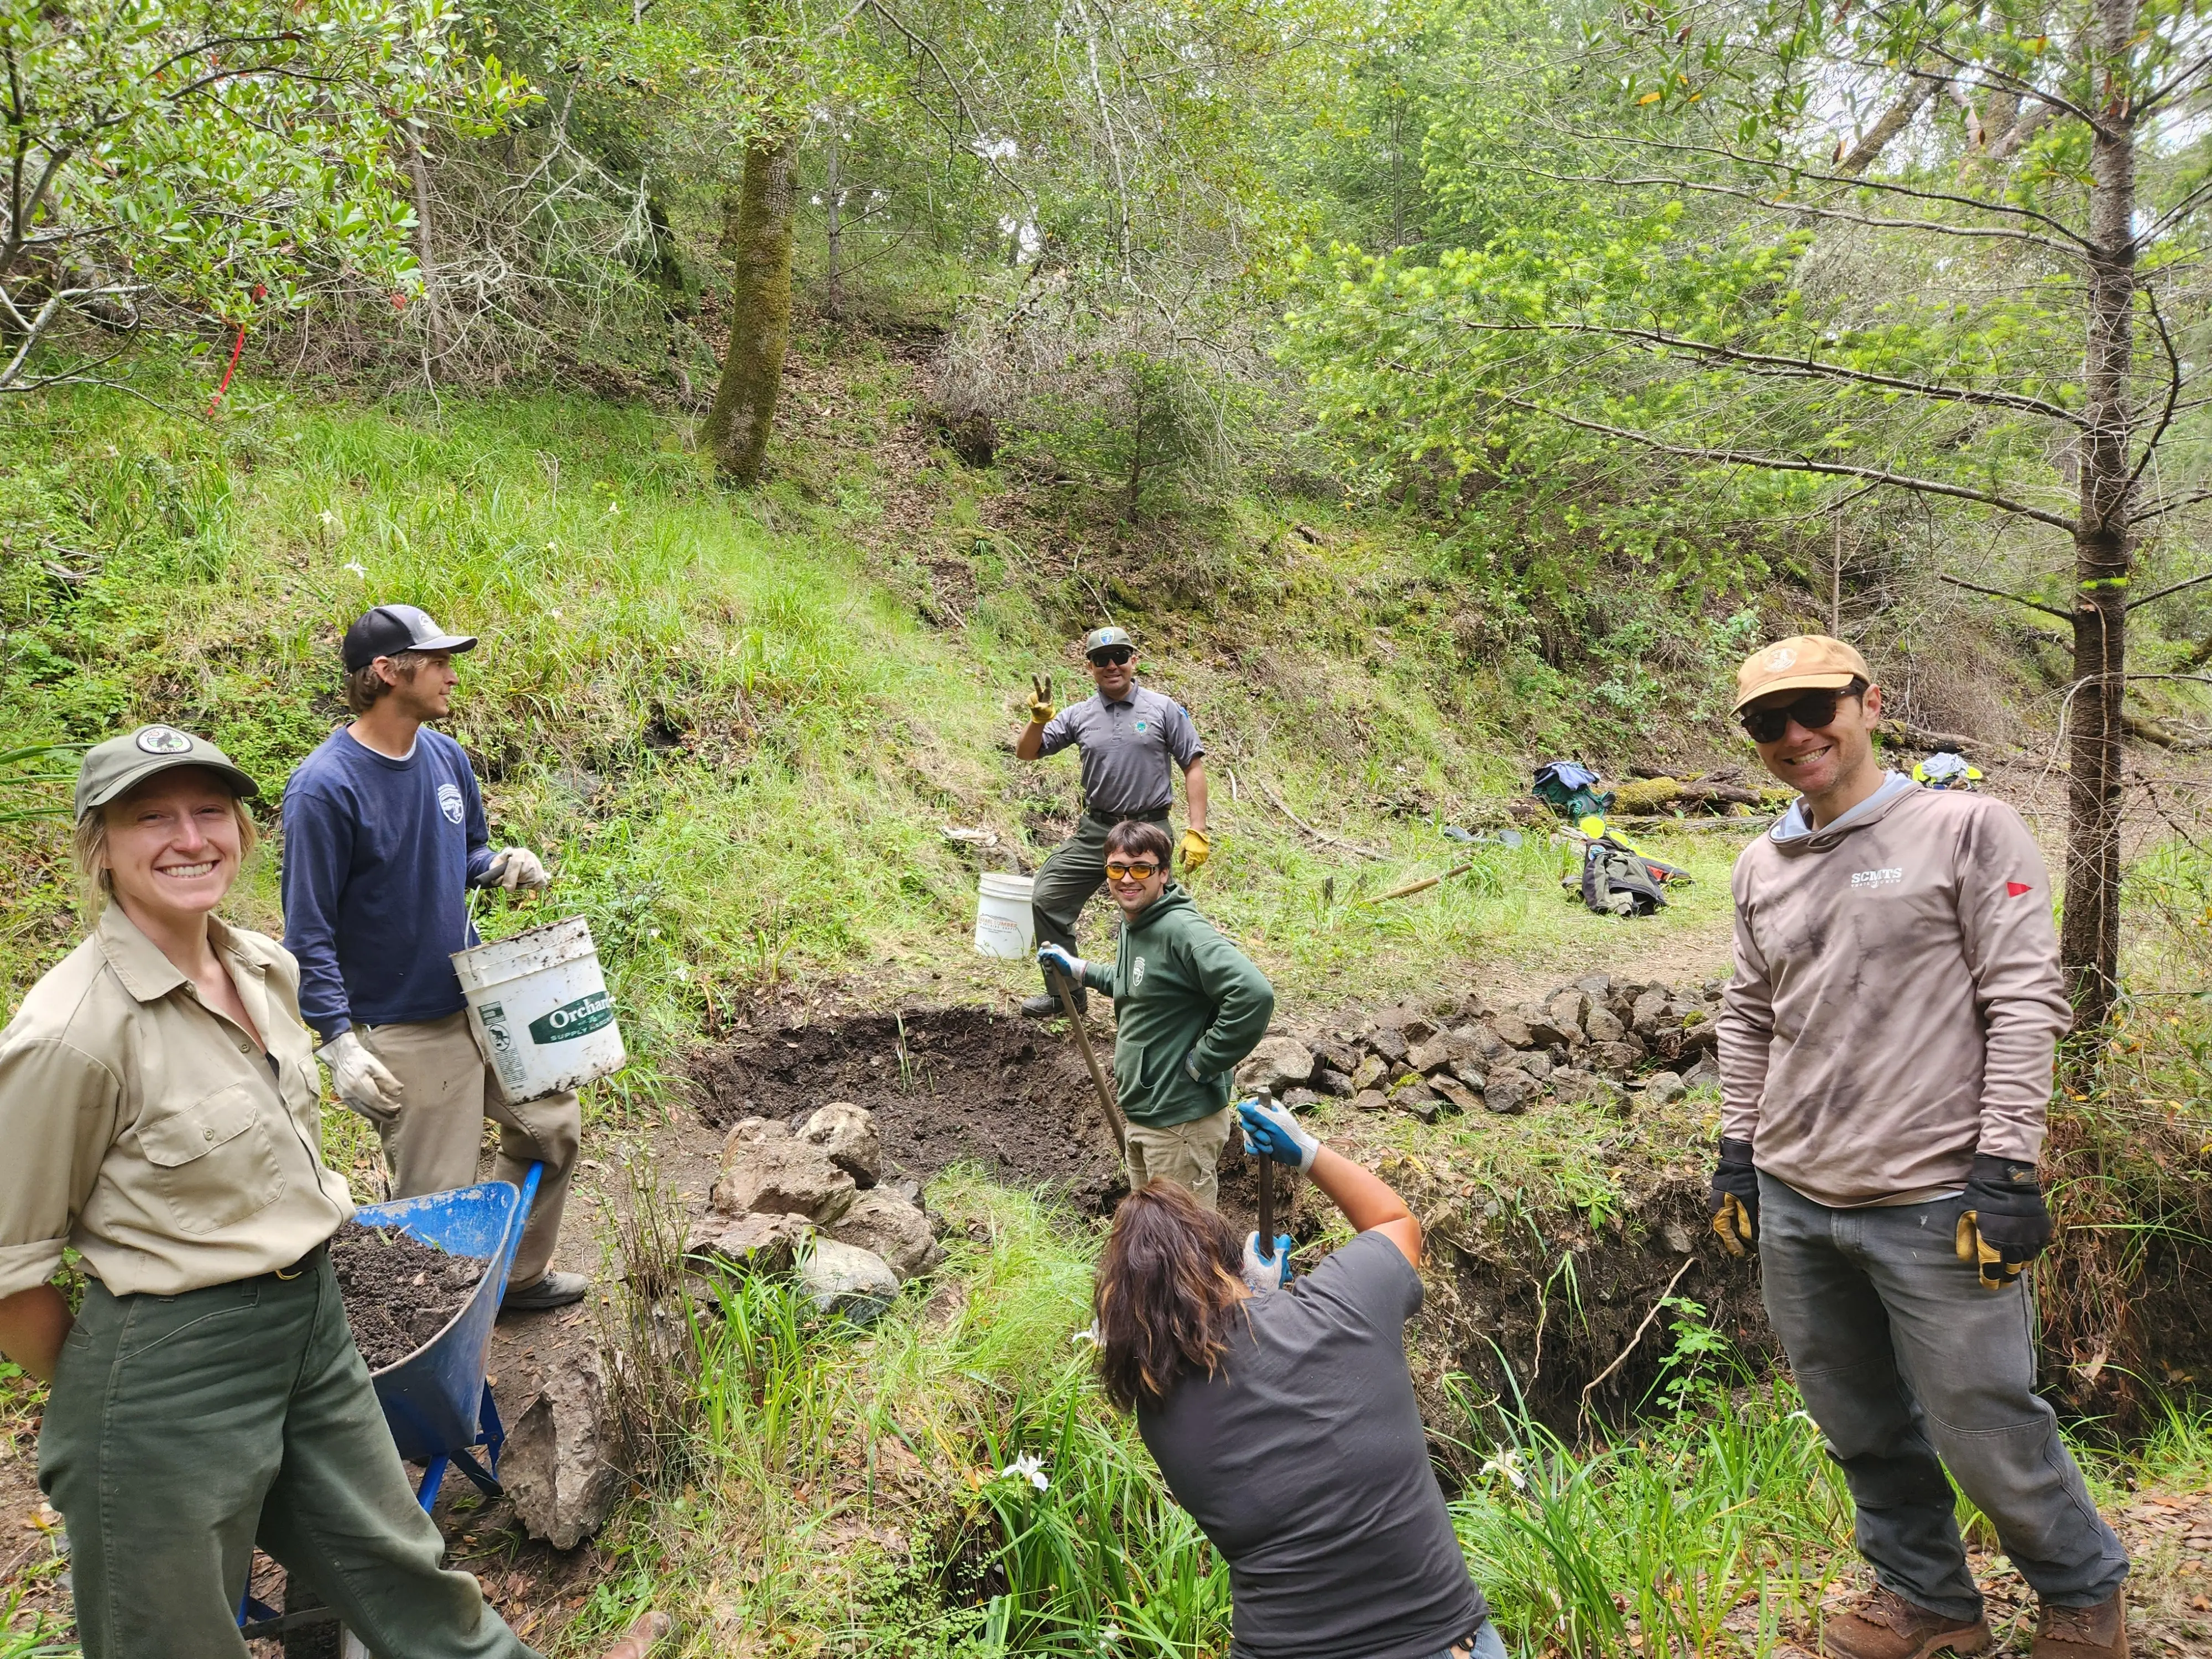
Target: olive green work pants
[{"x": 183, "y": 1430}]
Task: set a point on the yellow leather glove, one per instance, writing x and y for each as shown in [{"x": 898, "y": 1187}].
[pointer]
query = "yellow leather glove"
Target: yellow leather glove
[
  {"x": 1970, "y": 1245},
  {"x": 1195, "y": 850},
  {"x": 1041, "y": 709},
  {"x": 1732, "y": 1221}
]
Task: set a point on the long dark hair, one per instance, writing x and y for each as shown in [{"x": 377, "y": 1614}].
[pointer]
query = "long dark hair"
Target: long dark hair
[{"x": 1167, "y": 1288}]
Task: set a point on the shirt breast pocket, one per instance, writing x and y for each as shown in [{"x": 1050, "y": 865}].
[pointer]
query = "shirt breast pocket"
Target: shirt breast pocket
[{"x": 213, "y": 1163}]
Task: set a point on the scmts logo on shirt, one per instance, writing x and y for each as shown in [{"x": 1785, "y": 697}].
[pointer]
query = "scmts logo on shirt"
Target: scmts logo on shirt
[
  {"x": 449, "y": 801},
  {"x": 1865, "y": 879}
]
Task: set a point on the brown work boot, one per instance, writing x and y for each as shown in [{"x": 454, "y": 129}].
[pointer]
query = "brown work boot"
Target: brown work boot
[
  {"x": 1883, "y": 1624},
  {"x": 2098, "y": 1632}
]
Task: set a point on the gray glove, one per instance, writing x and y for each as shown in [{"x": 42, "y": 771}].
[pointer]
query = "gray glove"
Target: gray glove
[
  {"x": 363, "y": 1082},
  {"x": 515, "y": 866},
  {"x": 1262, "y": 1274}
]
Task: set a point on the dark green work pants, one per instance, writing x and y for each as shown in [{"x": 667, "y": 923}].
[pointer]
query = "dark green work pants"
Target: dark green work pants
[
  {"x": 1076, "y": 870},
  {"x": 183, "y": 1430}
]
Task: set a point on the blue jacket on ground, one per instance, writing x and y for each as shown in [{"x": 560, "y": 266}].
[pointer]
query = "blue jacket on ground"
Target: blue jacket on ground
[{"x": 378, "y": 854}]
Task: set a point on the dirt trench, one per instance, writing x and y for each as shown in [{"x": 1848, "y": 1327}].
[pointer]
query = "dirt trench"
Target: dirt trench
[{"x": 957, "y": 1084}]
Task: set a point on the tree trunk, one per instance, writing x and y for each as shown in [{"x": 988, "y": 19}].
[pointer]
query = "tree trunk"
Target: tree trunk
[
  {"x": 756, "y": 229},
  {"x": 2089, "y": 940},
  {"x": 426, "y": 256}
]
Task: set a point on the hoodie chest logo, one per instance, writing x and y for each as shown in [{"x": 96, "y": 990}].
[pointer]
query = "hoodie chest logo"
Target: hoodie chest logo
[
  {"x": 1137, "y": 973},
  {"x": 1864, "y": 880},
  {"x": 449, "y": 801}
]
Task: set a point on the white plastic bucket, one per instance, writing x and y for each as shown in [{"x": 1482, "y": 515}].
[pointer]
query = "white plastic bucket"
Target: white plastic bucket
[
  {"x": 1004, "y": 924},
  {"x": 538, "y": 1006}
]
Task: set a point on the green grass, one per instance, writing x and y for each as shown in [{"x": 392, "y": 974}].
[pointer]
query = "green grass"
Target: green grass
[{"x": 721, "y": 716}]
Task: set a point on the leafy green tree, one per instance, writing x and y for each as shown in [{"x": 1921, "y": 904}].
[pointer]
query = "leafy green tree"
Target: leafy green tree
[
  {"x": 172, "y": 165},
  {"x": 1937, "y": 249}
]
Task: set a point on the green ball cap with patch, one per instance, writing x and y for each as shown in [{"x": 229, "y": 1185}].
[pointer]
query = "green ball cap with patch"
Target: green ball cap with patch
[
  {"x": 1104, "y": 639},
  {"x": 115, "y": 768}
]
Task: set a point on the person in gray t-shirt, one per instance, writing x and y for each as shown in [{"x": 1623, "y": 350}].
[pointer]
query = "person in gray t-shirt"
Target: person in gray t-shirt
[
  {"x": 1284, "y": 1418},
  {"x": 1132, "y": 739}
]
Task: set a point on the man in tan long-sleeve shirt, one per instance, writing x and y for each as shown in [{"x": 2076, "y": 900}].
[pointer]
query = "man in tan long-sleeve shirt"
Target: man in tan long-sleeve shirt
[{"x": 1886, "y": 1050}]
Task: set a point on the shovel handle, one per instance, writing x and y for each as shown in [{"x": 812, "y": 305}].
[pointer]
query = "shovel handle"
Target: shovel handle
[
  {"x": 1090, "y": 1058},
  {"x": 1267, "y": 1206}
]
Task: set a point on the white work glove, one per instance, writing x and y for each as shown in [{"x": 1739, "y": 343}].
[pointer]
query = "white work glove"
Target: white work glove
[
  {"x": 515, "y": 866},
  {"x": 1263, "y": 1275},
  {"x": 1270, "y": 1130},
  {"x": 1053, "y": 957},
  {"x": 363, "y": 1082}
]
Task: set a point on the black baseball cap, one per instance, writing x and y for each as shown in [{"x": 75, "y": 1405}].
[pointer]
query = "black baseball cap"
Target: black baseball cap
[{"x": 392, "y": 629}]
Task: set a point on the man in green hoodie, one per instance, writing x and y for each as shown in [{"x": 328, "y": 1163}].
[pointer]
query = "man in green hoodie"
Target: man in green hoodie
[{"x": 1187, "y": 1006}]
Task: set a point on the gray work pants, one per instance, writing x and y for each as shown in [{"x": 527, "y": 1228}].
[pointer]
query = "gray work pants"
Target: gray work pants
[
  {"x": 1076, "y": 870},
  {"x": 1904, "y": 1360},
  {"x": 183, "y": 1430},
  {"x": 445, "y": 1093}
]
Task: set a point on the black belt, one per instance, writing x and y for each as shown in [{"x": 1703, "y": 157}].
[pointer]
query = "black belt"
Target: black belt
[{"x": 1157, "y": 815}]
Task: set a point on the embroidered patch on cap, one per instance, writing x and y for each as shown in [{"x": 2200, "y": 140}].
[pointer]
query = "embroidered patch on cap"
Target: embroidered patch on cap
[
  {"x": 1778, "y": 661},
  {"x": 164, "y": 740},
  {"x": 2015, "y": 888}
]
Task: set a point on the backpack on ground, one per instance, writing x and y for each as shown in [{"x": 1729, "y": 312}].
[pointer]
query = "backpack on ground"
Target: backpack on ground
[{"x": 1617, "y": 882}]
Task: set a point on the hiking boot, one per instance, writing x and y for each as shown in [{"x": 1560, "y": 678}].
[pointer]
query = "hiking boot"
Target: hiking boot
[
  {"x": 547, "y": 1290},
  {"x": 2098, "y": 1632},
  {"x": 1883, "y": 1624},
  {"x": 1045, "y": 1007}
]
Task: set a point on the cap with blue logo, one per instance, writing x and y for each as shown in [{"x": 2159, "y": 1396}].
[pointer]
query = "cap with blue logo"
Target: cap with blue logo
[{"x": 1108, "y": 639}]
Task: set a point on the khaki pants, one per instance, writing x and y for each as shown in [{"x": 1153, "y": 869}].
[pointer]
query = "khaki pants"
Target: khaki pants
[
  {"x": 1185, "y": 1153},
  {"x": 183, "y": 1430},
  {"x": 447, "y": 1093}
]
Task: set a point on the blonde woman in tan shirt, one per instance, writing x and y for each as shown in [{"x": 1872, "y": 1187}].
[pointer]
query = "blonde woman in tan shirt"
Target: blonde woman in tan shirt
[{"x": 160, "y": 1108}]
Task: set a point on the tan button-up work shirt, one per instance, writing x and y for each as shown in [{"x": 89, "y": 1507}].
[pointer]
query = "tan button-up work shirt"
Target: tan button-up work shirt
[{"x": 147, "y": 1131}]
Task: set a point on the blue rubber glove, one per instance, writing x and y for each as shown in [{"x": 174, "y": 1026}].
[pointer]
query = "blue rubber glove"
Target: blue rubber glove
[
  {"x": 1265, "y": 1273},
  {"x": 1054, "y": 960},
  {"x": 1270, "y": 1130}
]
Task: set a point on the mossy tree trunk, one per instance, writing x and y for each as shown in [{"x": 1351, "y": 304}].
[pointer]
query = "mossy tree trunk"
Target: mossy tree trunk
[{"x": 756, "y": 231}]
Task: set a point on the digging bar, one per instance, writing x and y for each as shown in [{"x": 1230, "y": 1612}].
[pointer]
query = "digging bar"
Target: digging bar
[
  {"x": 1267, "y": 1174},
  {"x": 1097, "y": 1076}
]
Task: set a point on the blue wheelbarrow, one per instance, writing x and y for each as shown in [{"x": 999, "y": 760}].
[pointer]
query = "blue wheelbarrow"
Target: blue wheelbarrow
[{"x": 437, "y": 1400}]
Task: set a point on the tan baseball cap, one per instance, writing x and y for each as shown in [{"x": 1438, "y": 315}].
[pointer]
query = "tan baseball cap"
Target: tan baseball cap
[
  {"x": 1803, "y": 662},
  {"x": 113, "y": 768}
]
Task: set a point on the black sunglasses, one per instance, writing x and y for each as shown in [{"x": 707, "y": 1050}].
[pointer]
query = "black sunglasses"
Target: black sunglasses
[
  {"x": 1116, "y": 654},
  {"x": 1812, "y": 711}
]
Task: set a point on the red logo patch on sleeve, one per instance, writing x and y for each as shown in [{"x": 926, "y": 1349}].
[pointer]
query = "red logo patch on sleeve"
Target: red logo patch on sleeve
[{"x": 2015, "y": 888}]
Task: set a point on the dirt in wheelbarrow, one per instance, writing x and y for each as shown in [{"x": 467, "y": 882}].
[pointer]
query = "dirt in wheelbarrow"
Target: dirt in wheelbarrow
[
  {"x": 399, "y": 1291},
  {"x": 946, "y": 1085}
]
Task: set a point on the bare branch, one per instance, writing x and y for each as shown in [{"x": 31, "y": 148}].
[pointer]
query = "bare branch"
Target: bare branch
[
  {"x": 1812, "y": 210},
  {"x": 1999, "y": 593},
  {"x": 2173, "y": 506},
  {"x": 1893, "y": 120},
  {"x": 2174, "y": 587},
  {"x": 1806, "y": 369},
  {"x": 1905, "y": 481},
  {"x": 2173, "y": 386}
]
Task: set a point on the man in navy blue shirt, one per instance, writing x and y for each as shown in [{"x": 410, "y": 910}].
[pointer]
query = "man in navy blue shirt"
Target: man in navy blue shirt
[{"x": 383, "y": 833}]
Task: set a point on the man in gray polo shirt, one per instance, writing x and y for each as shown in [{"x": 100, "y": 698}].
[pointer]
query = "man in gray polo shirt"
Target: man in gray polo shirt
[{"x": 1128, "y": 737}]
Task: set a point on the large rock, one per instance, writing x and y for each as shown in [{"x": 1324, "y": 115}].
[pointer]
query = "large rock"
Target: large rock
[
  {"x": 557, "y": 1464},
  {"x": 1508, "y": 1090},
  {"x": 846, "y": 1134},
  {"x": 1603, "y": 1027},
  {"x": 1369, "y": 1072},
  {"x": 1327, "y": 1080},
  {"x": 1544, "y": 1031},
  {"x": 1534, "y": 1065},
  {"x": 1337, "y": 1057},
  {"x": 1477, "y": 1040},
  {"x": 765, "y": 1170},
  {"x": 1650, "y": 1012},
  {"x": 894, "y": 1229},
  {"x": 1389, "y": 1042},
  {"x": 1596, "y": 986},
  {"x": 1512, "y": 1030},
  {"x": 1432, "y": 1055},
  {"x": 765, "y": 1244},
  {"x": 1568, "y": 1010},
  {"x": 1370, "y": 1100},
  {"x": 848, "y": 1279},
  {"x": 1662, "y": 1088},
  {"x": 1620, "y": 1057},
  {"x": 1579, "y": 1088},
  {"x": 1458, "y": 1093},
  {"x": 1277, "y": 1064}
]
